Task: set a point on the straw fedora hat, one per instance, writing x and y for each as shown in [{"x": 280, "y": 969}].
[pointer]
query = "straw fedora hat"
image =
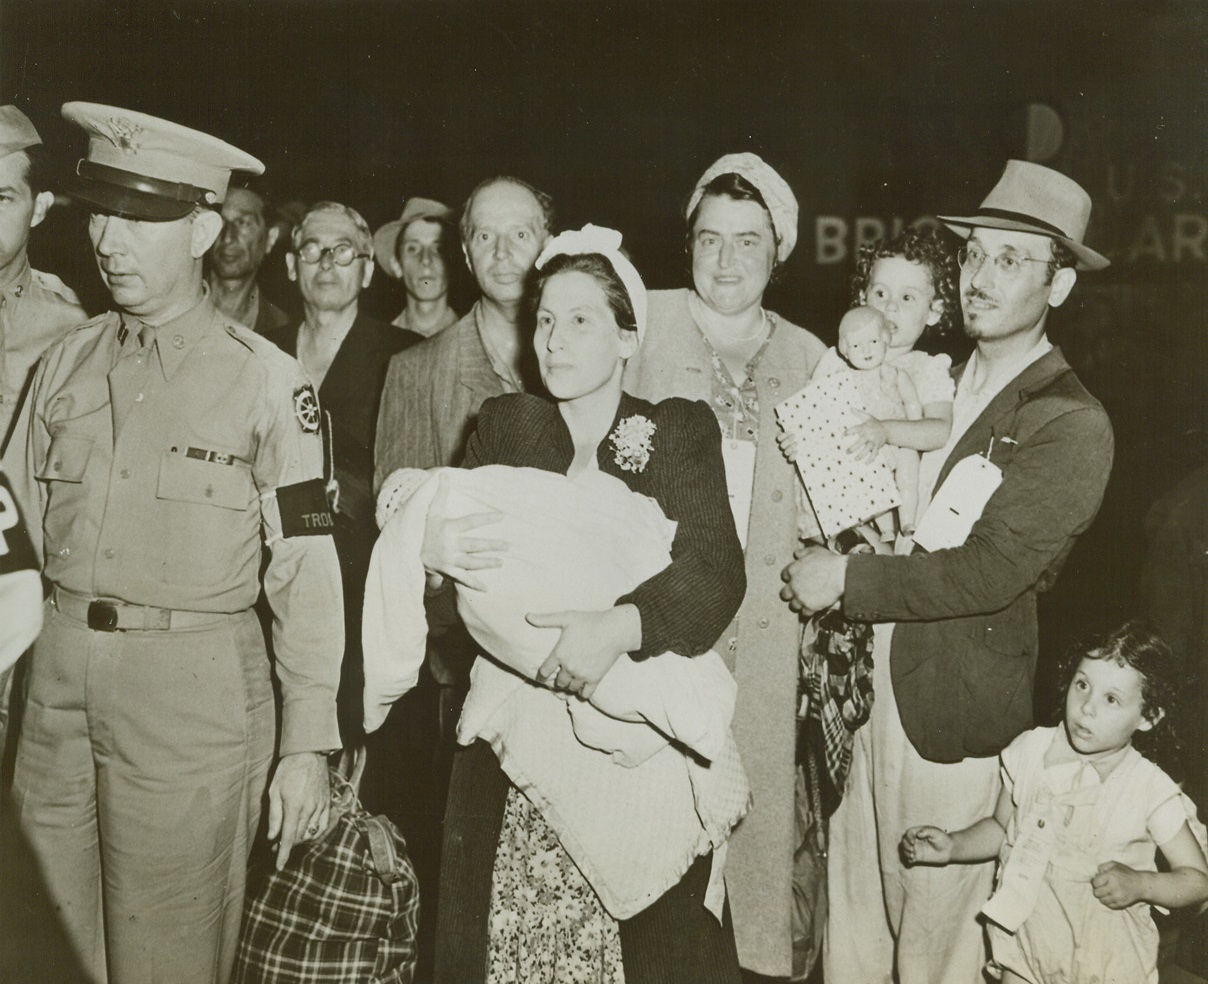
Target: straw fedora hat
[
  {"x": 385, "y": 240},
  {"x": 1033, "y": 198}
]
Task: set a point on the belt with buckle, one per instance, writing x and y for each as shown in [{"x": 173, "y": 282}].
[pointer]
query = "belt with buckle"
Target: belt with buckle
[{"x": 103, "y": 615}]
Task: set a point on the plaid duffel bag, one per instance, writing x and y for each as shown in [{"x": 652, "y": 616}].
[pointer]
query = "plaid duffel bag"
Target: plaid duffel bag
[{"x": 343, "y": 910}]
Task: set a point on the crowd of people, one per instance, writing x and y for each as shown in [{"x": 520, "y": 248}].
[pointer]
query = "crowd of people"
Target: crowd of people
[{"x": 564, "y": 570}]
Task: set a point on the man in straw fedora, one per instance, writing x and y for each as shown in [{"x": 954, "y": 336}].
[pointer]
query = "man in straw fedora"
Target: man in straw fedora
[
  {"x": 1027, "y": 463},
  {"x": 166, "y": 446}
]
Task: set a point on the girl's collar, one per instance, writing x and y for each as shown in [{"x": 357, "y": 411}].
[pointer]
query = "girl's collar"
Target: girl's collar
[{"x": 1104, "y": 763}]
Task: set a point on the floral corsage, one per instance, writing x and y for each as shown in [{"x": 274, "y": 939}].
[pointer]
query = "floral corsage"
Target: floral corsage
[{"x": 631, "y": 442}]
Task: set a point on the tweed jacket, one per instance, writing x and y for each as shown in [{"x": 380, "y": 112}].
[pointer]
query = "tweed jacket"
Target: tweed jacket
[
  {"x": 432, "y": 394},
  {"x": 964, "y": 649},
  {"x": 674, "y": 360}
]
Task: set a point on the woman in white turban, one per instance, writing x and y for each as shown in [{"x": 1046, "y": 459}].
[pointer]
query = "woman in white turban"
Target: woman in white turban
[{"x": 716, "y": 342}]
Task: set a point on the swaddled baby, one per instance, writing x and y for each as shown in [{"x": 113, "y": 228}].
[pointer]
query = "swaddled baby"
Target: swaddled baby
[{"x": 572, "y": 545}]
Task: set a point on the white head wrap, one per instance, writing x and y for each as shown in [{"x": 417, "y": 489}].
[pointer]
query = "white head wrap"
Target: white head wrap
[
  {"x": 775, "y": 191},
  {"x": 607, "y": 243}
]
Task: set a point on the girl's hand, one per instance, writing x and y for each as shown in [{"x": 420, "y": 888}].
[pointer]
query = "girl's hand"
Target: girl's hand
[
  {"x": 1118, "y": 886},
  {"x": 870, "y": 436},
  {"x": 591, "y": 642},
  {"x": 788, "y": 445},
  {"x": 448, "y": 552},
  {"x": 926, "y": 845}
]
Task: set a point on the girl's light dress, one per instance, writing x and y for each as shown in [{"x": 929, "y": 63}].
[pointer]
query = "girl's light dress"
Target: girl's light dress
[{"x": 1076, "y": 822}]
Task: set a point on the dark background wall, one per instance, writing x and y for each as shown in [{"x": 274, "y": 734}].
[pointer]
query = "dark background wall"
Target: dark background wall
[{"x": 876, "y": 114}]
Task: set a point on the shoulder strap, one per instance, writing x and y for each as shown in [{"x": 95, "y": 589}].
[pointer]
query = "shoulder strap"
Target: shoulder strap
[{"x": 382, "y": 849}]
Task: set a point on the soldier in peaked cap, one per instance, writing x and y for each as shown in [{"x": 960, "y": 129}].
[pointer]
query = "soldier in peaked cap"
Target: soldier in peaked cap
[
  {"x": 166, "y": 446},
  {"x": 36, "y": 309},
  {"x": 956, "y": 645}
]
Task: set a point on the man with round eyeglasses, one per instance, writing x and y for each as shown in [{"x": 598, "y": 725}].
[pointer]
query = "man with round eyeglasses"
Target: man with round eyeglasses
[
  {"x": 345, "y": 353},
  {"x": 955, "y": 626}
]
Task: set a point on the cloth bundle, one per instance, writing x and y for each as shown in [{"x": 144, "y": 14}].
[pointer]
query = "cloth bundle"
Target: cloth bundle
[{"x": 641, "y": 780}]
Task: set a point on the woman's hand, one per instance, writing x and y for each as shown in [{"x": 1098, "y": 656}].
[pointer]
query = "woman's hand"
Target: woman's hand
[
  {"x": 870, "y": 436},
  {"x": 926, "y": 845},
  {"x": 589, "y": 645},
  {"x": 448, "y": 552}
]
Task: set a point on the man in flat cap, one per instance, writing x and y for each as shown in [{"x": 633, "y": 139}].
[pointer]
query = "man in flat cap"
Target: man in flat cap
[
  {"x": 1026, "y": 465},
  {"x": 166, "y": 445},
  {"x": 248, "y": 236},
  {"x": 417, "y": 248},
  {"x": 36, "y": 309}
]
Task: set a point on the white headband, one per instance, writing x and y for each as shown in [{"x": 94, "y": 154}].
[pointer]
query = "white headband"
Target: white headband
[
  {"x": 607, "y": 243},
  {"x": 777, "y": 196}
]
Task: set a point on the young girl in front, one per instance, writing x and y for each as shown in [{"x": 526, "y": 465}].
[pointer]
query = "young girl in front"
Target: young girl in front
[{"x": 1077, "y": 821}]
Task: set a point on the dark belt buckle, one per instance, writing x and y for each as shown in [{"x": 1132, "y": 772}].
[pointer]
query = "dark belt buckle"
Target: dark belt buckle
[{"x": 102, "y": 616}]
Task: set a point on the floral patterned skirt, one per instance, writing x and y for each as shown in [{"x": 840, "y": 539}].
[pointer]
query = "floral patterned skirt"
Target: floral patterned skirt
[{"x": 546, "y": 924}]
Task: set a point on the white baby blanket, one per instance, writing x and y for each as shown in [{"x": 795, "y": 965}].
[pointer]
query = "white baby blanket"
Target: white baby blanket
[{"x": 647, "y": 809}]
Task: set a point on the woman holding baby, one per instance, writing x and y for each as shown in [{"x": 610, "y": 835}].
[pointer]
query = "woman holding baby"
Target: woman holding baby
[
  {"x": 514, "y": 906},
  {"x": 716, "y": 342}
]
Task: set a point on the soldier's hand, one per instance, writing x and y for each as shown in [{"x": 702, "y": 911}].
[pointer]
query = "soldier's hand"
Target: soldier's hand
[{"x": 299, "y": 802}]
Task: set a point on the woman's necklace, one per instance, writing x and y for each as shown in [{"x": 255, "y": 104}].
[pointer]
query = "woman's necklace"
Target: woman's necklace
[
  {"x": 710, "y": 326},
  {"x": 760, "y": 327}
]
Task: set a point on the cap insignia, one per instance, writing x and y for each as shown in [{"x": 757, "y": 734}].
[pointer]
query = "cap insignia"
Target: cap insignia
[{"x": 125, "y": 134}]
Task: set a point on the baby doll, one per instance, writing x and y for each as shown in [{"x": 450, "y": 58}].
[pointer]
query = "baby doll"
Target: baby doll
[{"x": 887, "y": 392}]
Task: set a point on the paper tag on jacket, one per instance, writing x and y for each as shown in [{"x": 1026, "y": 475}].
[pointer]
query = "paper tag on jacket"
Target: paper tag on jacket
[
  {"x": 1023, "y": 873},
  {"x": 958, "y": 503}
]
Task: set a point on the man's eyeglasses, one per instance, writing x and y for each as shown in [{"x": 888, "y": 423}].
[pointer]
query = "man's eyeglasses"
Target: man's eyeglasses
[
  {"x": 341, "y": 255},
  {"x": 1010, "y": 265}
]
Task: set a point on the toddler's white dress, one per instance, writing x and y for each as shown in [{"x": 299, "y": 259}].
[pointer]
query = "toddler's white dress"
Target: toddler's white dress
[{"x": 1066, "y": 814}]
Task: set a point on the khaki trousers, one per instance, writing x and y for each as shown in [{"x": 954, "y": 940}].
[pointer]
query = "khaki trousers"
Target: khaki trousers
[
  {"x": 140, "y": 769},
  {"x": 884, "y": 917}
]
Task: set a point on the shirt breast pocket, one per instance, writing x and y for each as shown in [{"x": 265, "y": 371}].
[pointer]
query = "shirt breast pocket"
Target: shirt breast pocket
[
  {"x": 67, "y": 459},
  {"x": 208, "y": 521},
  {"x": 182, "y": 479}
]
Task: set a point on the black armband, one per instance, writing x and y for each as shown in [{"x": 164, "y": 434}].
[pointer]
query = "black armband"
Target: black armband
[{"x": 304, "y": 509}]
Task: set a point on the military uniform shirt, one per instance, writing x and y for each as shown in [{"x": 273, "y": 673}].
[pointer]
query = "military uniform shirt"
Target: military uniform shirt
[
  {"x": 158, "y": 452},
  {"x": 36, "y": 310}
]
